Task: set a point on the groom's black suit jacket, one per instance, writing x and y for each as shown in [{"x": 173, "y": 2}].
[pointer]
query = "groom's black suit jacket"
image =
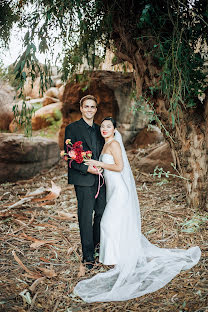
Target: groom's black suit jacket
[{"x": 77, "y": 131}]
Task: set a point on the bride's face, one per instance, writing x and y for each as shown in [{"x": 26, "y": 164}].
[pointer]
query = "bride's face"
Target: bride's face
[{"x": 107, "y": 129}]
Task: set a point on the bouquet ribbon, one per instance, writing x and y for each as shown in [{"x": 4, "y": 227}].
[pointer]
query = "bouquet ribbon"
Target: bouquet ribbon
[{"x": 99, "y": 182}]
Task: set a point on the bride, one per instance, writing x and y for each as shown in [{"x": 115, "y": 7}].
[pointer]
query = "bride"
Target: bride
[{"x": 139, "y": 266}]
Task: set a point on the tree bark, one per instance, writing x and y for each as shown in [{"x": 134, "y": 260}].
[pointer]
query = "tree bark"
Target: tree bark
[{"x": 188, "y": 139}]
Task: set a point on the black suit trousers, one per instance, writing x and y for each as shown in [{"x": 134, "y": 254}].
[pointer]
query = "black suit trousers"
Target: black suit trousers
[{"x": 89, "y": 225}]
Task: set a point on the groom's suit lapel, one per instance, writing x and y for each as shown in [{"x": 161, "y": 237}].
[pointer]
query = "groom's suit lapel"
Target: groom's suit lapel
[
  {"x": 99, "y": 142},
  {"x": 84, "y": 133}
]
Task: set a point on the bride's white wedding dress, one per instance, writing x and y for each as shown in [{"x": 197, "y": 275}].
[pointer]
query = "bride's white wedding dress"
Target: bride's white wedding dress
[{"x": 140, "y": 267}]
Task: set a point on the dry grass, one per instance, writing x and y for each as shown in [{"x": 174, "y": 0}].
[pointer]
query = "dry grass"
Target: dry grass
[{"x": 40, "y": 248}]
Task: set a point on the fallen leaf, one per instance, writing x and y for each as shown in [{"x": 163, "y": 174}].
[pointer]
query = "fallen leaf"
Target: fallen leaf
[
  {"x": 24, "y": 267},
  {"x": 28, "y": 237},
  {"x": 81, "y": 270},
  {"x": 33, "y": 276},
  {"x": 39, "y": 243},
  {"x": 25, "y": 294},
  {"x": 38, "y": 191},
  {"x": 19, "y": 203},
  {"x": 67, "y": 216},
  {"x": 48, "y": 272},
  {"x": 54, "y": 193},
  {"x": 44, "y": 259},
  {"x": 38, "y": 281},
  {"x": 51, "y": 202},
  {"x": 70, "y": 250}
]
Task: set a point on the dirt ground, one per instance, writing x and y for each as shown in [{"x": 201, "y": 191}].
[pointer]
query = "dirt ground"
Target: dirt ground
[{"x": 40, "y": 255}]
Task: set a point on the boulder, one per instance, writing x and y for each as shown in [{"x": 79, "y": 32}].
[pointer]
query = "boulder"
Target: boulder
[
  {"x": 146, "y": 137},
  {"x": 45, "y": 116},
  {"x": 160, "y": 156},
  {"x": 49, "y": 100},
  {"x": 32, "y": 90},
  {"x": 61, "y": 93},
  {"x": 6, "y": 112},
  {"x": 22, "y": 158},
  {"x": 14, "y": 126},
  {"x": 6, "y": 98},
  {"x": 58, "y": 83},
  {"x": 53, "y": 92},
  {"x": 35, "y": 101},
  {"x": 56, "y": 80}
]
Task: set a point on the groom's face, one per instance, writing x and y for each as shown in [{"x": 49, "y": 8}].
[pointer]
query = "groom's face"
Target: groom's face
[{"x": 88, "y": 109}]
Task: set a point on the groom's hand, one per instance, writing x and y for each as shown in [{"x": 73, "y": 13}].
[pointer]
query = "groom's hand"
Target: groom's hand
[{"x": 92, "y": 170}]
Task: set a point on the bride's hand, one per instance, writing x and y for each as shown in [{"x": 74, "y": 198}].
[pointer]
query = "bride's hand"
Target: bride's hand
[{"x": 93, "y": 162}]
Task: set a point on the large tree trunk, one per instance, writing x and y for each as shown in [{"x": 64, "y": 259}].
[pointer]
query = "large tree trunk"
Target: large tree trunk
[
  {"x": 188, "y": 138},
  {"x": 190, "y": 149},
  {"x": 193, "y": 157}
]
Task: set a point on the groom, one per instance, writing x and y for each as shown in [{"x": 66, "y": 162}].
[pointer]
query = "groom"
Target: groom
[{"x": 85, "y": 178}]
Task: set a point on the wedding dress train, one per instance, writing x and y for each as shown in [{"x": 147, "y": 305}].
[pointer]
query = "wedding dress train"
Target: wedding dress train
[{"x": 140, "y": 267}]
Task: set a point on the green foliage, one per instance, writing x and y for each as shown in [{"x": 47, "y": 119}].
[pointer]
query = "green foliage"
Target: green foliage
[
  {"x": 191, "y": 226},
  {"x": 37, "y": 106},
  {"x": 165, "y": 33},
  {"x": 182, "y": 77},
  {"x": 57, "y": 114},
  {"x": 160, "y": 172},
  {"x": 24, "y": 118},
  {"x": 7, "y": 74},
  {"x": 2, "y": 72},
  {"x": 28, "y": 65},
  {"x": 8, "y": 16}
]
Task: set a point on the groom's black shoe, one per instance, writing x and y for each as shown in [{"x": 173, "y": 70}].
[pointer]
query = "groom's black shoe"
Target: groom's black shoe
[{"x": 88, "y": 263}]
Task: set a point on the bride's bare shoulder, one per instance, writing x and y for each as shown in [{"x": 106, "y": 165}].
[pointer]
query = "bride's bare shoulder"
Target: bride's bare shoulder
[{"x": 115, "y": 145}]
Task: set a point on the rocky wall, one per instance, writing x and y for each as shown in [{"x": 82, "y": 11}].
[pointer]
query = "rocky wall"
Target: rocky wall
[{"x": 113, "y": 91}]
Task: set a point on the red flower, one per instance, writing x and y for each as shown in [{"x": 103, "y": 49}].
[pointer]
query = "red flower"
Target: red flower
[
  {"x": 75, "y": 152},
  {"x": 79, "y": 157},
  {"x": 88, "y": 154},
  {"x": 78, "y": 144}
]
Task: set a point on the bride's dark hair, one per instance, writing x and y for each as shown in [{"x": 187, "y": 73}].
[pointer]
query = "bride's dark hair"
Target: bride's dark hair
[{"x": 111, "y": 119}]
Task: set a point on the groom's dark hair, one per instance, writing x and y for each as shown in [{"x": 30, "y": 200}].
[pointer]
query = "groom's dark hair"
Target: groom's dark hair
[
  {"x": 111, "y": 119},
  {"x": 88, "y": 97}
]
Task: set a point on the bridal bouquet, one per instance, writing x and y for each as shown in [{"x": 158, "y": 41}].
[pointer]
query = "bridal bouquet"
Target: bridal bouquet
[{"x": 75, "y": 152}]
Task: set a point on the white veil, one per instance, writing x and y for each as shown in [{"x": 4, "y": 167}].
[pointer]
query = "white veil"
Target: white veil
[{"x": 143, "y": 267}]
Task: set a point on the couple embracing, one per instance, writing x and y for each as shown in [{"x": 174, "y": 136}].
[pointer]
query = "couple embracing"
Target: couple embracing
[{"x": 139, "y": 266}]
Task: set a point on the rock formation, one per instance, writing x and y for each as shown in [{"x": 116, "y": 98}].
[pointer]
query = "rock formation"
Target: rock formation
[
  {"x": 113, "y": 91},
  {"x": 32, "y": 89},
  {"x": 146, "y": 137},
  {"x": 160, "y": 156},
  {"x": 22, "y": 158},
  {"x": 6, "y": 111},
  {"x": 7, "y": 94},
  {"x": 44, "y": 116}
]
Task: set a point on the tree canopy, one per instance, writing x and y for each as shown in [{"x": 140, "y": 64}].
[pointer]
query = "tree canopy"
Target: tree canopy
[
  {"x": 8, "y": 16},
  {"x": 168, "y": 31}
]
